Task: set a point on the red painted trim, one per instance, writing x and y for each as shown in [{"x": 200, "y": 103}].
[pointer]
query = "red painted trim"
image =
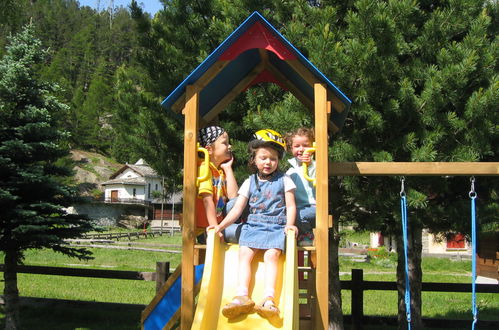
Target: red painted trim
[
  {"x": 257, "y": 36},
  {"x": 266, "y": 76}
]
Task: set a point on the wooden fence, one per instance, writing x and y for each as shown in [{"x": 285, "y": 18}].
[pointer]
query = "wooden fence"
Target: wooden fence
[
  {"x": 357, "y": 285},
  {"x": 126, "y": 235}
]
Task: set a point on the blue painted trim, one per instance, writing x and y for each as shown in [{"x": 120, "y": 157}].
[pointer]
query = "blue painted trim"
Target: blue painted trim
[{"x": 229, "y": 41}]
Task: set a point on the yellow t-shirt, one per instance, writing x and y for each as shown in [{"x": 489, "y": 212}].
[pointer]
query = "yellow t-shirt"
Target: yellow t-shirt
[{"x": 216, "y": 186}]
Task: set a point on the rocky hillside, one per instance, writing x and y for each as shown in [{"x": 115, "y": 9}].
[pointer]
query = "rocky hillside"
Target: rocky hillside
[{"x": 91, "y": 169}]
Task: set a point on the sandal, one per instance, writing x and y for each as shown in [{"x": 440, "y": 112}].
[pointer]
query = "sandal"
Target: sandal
[
  {"x": 234, "y": 309},
  {"x": 267, "y": 308}
]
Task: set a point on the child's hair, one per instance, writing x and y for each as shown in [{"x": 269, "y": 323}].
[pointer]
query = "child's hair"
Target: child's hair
[{"x": 302, "y": 131}]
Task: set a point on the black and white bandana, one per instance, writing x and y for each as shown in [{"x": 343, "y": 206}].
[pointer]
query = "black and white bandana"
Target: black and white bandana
[{"x": 208, "y": 135}]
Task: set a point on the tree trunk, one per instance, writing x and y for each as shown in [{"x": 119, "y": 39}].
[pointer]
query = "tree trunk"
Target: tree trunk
[
  {"x": 11, "y": 293},
  {"x": 335, "y": 311},
  {"x": 415, "y": 247}
]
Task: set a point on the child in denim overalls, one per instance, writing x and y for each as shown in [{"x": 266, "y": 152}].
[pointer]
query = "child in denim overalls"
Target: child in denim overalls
[{"x": 270, "y": 195}]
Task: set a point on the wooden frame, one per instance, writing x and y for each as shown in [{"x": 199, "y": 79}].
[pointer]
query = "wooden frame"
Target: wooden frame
[
  {"x": 322, "y": 215},
  {"x": 191, "y": 112},
  {"x": 414, "y": 168}
]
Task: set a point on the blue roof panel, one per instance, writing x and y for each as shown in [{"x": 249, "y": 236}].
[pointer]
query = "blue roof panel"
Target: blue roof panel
[{"x": 241, "y": 66}]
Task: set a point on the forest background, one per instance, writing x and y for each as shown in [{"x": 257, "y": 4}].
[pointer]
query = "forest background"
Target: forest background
[{"x": 422, "y": 76}]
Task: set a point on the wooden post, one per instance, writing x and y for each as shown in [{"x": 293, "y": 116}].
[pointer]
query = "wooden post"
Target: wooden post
[
  {"x": 191, "y": 113},
  {"x": 322, "y": 223},
  {"x": 162, "y": 273},
  {"x": 357, "y": 298}
]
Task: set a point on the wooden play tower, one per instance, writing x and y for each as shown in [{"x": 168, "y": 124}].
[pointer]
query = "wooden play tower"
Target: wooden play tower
[{"x": 255, "y": 52}]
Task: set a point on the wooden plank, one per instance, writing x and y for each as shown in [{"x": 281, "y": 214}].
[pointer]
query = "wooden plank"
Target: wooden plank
[
  {"x": 290, "y": 86},
  {"x": 230, "y": 96},
  {"x": 414, "y": 168},
  {"x": 189, "y": 205},
  {"x": 201, "y": 83},
  {"x": 322, "y": 215},
  {"x": 85, "y": 272},
  {"x": 309, "y": 77}
]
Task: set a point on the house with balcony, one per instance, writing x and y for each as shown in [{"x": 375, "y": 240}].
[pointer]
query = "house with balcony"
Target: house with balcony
[{"x": 133, "y": 184}]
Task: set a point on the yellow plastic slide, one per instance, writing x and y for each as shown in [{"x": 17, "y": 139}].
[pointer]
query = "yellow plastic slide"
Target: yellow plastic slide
[{"x": 218, "y": 287}]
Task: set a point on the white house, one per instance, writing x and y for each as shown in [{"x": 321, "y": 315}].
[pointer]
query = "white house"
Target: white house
[
  {"x": 452, "y": 245},
  {"x": 133, "y": 184}
]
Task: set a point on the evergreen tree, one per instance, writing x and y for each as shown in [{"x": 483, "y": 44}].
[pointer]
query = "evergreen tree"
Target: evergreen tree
[
  {"x": 424, "y": 84},
  {"x": 32, "y": 189},
  {"x": 423, "y": 90}
]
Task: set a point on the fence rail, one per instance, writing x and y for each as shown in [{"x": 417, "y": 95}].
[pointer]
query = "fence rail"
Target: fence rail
[
  {"x": 129, "y": 236},
  {"x": 357, "y": 285}
]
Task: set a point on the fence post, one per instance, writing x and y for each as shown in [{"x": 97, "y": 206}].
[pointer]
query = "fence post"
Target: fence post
[
  {"x": 162, "y": 273},
  {"x": 357, "y": 298}
]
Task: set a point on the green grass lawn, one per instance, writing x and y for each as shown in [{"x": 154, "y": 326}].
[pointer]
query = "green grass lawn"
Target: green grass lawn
[{"x": 376, "y": 303}]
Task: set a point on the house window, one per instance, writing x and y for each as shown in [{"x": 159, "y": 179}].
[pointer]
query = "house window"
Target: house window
[
  {"x": 149, "y": 190},
  {"x": 156, "y": 187},
  {"x": 134, "y": 192},
  {"x": 456, "y": 241}
]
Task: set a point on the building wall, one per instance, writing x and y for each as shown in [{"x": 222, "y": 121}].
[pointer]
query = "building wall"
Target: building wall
[
  {"x": 436, "y": 246},
  {"x": 125, "y": 191},
  {"x": 128, "y": 173},
  {"x": 107, "y": 215},
  {"x": 152, "y": 184}
]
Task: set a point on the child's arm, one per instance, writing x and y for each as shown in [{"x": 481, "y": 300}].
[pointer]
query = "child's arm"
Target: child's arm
[
  {"x": 290, "y": 211},
  {"x": 230, "y": 178},
  {"x": 232, "y": 216},
  {"x": 209, "y": 208}
]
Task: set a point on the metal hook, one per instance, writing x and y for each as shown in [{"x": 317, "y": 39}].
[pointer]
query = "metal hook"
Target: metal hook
[
  {"x": 402, "y": 188},
  {"x": 472, "y": 193}
]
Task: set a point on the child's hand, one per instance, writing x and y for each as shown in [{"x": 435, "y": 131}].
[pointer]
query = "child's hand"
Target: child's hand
[
  {"x": 305, "y": 157},
  {"x": 217, "y": 230},
  {"x": 228, "y": 163},
  {"x": 291, "y": 227}
]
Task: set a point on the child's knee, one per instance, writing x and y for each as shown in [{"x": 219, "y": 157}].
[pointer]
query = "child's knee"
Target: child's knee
[{"x": 272, "y": 255}]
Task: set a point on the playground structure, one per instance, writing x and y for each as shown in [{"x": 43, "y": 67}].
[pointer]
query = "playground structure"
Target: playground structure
[{"x": 256, "y": 52}]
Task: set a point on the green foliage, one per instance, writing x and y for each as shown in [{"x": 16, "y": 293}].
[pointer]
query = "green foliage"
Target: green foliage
[{"x": 32, "y": 192}]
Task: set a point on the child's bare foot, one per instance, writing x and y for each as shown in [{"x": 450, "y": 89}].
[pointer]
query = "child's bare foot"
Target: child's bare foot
[{"x": 239, "y": 305}]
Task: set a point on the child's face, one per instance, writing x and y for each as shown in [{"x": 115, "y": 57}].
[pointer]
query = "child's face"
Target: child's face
[
  {"x": 299, "y": 144},
  {"x": 220, "y": 150},
  {"x": 266, "y": 160}
]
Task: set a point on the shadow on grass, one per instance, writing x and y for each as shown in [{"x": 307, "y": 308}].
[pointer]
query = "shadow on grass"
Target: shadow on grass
[{"x": 70, "y": 316}]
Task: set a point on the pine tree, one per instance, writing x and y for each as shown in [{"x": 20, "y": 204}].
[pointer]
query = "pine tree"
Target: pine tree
[
  {"x": 424, "y": 84},
  {"x": 32, "y": 188}
]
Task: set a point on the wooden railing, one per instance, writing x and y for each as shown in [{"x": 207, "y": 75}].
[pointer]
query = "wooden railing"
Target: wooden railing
[
  {"x": 126, "y": 201},
  {"x": 357, "y": 285}
]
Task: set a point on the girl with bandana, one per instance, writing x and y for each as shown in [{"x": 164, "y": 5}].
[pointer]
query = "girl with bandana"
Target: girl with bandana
[{"x": 221, "y": 184}]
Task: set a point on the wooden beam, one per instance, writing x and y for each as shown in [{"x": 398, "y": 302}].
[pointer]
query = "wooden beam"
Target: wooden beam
[
  {"x": 338, "y": 105},
  {"x": 201, "y": 83},
  {"x": 414, "y": 168},
  {"x": 289, "y": 85},
  {"x": 189, "y": 206},
  {"x": 230, "y": 96},
  {"x": 264, "y": 55},
  {"x": 322, "y": 215}
]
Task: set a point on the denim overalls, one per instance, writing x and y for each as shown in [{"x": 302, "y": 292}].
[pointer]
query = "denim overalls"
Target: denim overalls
[{"x": 264, "y": 228}]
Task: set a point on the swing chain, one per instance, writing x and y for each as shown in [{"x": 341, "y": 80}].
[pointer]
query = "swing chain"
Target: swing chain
[
  {"x": 472, "y": 192},
  {"x": 402, "y": 188}
]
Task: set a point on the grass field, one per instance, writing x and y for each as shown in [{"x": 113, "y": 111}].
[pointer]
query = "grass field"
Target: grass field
[{"x": 376, "y": 303}]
